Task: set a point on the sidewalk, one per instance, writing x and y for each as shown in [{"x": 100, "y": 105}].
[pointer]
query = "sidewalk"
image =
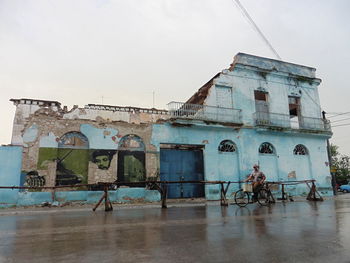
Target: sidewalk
[{"x": 77, "y": 206}]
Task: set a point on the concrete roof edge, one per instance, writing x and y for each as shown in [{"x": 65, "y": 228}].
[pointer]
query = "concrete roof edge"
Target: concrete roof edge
[{"x": 271, "y": 59}]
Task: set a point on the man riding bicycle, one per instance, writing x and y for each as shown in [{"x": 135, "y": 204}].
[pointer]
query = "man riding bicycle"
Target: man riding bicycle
[{"x": 257, "y": 178}]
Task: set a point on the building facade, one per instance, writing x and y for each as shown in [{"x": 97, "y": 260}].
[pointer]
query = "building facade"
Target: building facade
[{"x": 258, "y": 110}]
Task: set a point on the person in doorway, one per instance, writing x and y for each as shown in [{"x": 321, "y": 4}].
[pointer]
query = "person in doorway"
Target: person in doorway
[{"x": 257, "y": 178}]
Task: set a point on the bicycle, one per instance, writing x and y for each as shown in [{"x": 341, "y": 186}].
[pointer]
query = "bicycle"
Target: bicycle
[{"x": 264, "y": 196}]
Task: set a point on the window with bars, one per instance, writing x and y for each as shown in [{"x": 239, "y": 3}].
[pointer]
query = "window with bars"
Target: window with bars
[
  {"x": 227, "y": 146},
  {"x": 300, "y": 150},
  {"x": 267, "y": 148}
]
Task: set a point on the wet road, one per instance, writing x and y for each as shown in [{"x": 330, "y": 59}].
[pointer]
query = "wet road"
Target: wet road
[{"x": 291, "y": 232}]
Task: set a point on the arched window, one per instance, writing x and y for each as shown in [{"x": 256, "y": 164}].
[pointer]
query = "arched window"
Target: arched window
[
  {"x": 227, "y": 146},
  {"x": 72, "y": 159},
  {"x": 267, "y": 148},
  {"x": 131, "y": 160},
  {"x": 75, "y": 140},
  {"x": 300, "y": 150},
  {"x": 131, "y": 142}
]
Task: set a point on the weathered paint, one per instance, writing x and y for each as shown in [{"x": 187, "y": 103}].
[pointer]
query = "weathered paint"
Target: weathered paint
[
  {"x": 248, "y": 141},
  {"x": 126, "y": 195},
  {"x": 33, "y": 198},
  {"x": 101, "y": 138},
  {"x": 182, "y": 165},
  {"x": 70, "y": 196},
  {"x": 41, "y": 126},
  {"x": 10, "y": 173},
  {"x": 30, "y": 134},
  {"x": 49, "y": 141}
]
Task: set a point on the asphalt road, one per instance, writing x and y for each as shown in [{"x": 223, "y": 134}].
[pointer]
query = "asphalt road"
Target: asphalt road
[{"x": 284, "y": 232}]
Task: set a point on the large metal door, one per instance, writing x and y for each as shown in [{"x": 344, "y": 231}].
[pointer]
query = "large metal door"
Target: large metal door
[{"x": 182, "y": 165}]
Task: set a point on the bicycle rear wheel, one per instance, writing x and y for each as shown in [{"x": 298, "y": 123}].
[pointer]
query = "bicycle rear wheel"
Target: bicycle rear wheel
[
  {"x": 263, "y": 197},
  {"x": 241, "y": 198}
]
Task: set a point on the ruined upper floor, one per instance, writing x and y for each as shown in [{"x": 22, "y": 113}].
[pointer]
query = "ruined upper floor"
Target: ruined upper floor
[{"x": 252, "y": 92}]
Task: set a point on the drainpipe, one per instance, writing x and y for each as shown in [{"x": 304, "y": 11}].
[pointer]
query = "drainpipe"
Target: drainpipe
[{"x": 330, "y": 160}]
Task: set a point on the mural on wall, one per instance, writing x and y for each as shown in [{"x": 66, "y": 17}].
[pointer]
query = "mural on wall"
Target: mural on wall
[
  {"x": 102, "y": 167},
  {"x": 131, "y": 160},
  {"x": 31, "y": 179},
  {"x": 72, "y": 159},
  {"x": 75, "y": 160},
  {"x": 102, "y": 158}
]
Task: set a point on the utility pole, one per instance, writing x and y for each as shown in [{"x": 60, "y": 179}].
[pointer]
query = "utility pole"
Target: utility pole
[{"x": 330, "y": 159}]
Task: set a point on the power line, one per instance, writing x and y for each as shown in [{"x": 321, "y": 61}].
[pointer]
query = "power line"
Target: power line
[
  {"x": 343, "y": 113},
  {"x": 334, "y": 113},
  {"x": 255, "y": 27},
  {"x": 346, "y": 124},
  {"x": 341, "y": 120},
  {"x": 244, "y": 11},
  {"x": 307, "y": 93}
]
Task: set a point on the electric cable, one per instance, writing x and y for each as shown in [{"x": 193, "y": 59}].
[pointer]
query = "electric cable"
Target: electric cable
[
  {"x": 255, "y": 26},
  {"x": 245, "y": 13},
  {"x": 334, "y": 113},
  {"x": 341, "y": 120},
  {"x": 307, "y": 93},
  {"x": 346, "y": 124},
  {"x": 343, "y": 113}
]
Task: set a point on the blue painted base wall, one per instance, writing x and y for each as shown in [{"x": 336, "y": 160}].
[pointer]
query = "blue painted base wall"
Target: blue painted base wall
[
  {"x": 10, "y": 171},
  {"x": 10, "y": 198}
]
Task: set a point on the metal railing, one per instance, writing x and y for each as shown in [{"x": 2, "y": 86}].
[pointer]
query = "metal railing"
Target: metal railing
[
  {"x": 271, "y": 119},
  {"x": 285, "y": 121},
  {"x": 203, "y": 112},
  {"x": 162, "y": 187}
]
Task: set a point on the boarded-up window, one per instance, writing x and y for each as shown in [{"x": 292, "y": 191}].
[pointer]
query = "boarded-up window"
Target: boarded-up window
[{"x": 224, "y": 96}]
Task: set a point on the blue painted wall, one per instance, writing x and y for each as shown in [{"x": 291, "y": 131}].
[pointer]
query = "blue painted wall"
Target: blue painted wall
[
  {"x": 276, "y": 167},
  {"x": 10, "y": 173},
  {"x": 105, "y": 138}
]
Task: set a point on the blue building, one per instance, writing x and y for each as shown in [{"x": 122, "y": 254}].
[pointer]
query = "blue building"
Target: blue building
[{"x": 258, "y": 111}]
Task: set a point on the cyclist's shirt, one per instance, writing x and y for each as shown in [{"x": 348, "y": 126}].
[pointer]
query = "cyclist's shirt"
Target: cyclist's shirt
[{"x": 257, "y": 176}]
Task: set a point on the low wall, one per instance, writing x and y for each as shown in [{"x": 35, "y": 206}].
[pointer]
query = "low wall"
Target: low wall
[
  {"x": 121, "y": 195},
  {"x": 10, "y": 171}
]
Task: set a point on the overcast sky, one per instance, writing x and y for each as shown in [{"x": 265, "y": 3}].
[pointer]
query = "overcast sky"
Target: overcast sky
[{"x": 118, "y": 52}]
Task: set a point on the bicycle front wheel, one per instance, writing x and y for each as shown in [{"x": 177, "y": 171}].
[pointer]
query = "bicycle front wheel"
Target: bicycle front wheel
[
  {"x": 241, "y": 198},
  {"x": 263, "y": 197}
]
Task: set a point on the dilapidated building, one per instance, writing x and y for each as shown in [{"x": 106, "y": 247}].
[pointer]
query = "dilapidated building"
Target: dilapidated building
[{"x": 258, "y": 110}]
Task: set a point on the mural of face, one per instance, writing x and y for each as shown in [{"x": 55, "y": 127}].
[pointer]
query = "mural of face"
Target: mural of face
[
  {"x": 103, "y": 158},
  {"x": 103, "y": 162}
]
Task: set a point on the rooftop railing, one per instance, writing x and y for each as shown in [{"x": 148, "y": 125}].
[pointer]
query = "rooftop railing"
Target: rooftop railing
[
  {"x": 285, "y": 121},
  {"x": 203, "y": 112}
]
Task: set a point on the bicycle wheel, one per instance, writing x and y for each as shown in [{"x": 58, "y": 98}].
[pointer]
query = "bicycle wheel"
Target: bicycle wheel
[
  {"x": 263, "y": 197},
  {"x": 241, "y": 198}
]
